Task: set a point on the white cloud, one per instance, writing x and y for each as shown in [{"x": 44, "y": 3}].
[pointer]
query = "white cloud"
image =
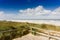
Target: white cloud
[
  {"x": 56, "y": 11},
  {"x": 32, "y": 13},
  {"x": 1, "y": 13},
  {"x": 35, "y": 11}
]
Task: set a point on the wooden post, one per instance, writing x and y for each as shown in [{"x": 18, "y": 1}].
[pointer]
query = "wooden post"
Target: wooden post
[{"x": 49, "y": 35}]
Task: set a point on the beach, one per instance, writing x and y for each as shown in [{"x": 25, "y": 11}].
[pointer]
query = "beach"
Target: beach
[{"x": 52, "y": 22}]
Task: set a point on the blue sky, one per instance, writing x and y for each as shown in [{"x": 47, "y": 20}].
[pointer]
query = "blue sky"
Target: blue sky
[
  {"x": 12, "y": 7},
  {"x": 15, "y": 5}
]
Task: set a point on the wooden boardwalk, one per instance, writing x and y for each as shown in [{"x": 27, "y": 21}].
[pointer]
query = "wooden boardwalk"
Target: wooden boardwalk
[{"x": 48, "y": 33}]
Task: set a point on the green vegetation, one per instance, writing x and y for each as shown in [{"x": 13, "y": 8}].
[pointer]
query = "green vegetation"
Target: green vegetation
[{"x": 10, "y": 30}]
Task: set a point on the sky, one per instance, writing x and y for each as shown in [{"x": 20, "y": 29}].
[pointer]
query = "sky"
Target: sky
[{"x": 29, "y": 9}]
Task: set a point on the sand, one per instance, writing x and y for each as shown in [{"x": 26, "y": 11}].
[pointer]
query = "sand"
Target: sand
[{"x": 31, "y": 37}]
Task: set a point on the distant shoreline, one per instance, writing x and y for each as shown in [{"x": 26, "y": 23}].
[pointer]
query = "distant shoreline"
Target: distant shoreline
[
  {"x": 45, "y": 21},
  {"x": 53, "y": 22}
]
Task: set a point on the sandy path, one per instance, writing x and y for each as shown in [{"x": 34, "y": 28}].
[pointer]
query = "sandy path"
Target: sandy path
[{"x": 31, "y": 37}]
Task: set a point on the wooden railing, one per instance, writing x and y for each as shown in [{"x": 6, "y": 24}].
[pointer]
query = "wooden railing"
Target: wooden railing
[{"x": 47, "y": 33}]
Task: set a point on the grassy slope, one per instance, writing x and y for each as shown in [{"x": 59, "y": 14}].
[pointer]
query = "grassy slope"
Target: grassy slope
[
  {"x": 22, "y": 28},
  {"x": 6, "y": 25}
]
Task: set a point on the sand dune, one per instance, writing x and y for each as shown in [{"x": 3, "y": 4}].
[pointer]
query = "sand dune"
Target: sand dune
[{"x": 32, "y": 37}]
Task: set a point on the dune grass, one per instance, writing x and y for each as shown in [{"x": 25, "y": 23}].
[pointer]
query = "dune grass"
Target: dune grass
[{"x": 10, "y": 30}]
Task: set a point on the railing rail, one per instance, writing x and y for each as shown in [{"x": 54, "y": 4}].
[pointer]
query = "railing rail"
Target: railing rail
[{"x": 47, "y": 33}]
